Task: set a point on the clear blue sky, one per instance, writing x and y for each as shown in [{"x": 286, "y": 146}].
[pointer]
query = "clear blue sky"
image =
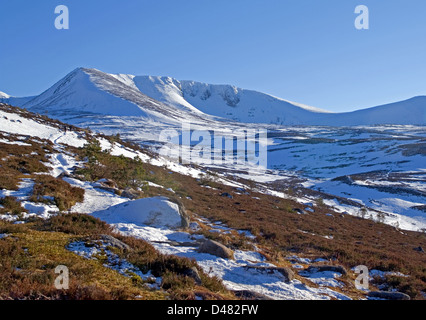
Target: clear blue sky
[{"x": 306, "y": 51}]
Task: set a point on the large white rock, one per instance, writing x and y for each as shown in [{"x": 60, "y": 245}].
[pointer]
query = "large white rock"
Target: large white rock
[{"x": 156, "y": 212}]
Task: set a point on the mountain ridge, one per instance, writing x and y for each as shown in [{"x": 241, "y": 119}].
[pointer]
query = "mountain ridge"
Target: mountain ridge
[{"x": 165, "y": 99}]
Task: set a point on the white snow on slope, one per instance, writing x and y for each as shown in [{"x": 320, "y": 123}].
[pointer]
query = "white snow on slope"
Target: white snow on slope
[
  {"x": 234, "y": 273},
  {"x": 95, "y": 199},
  {"x": 13, "y": 123},
  {"x": 155, "y": 212}
]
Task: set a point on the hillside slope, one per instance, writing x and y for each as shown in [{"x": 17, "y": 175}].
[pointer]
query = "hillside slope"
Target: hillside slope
[{"x": 283, "y": 248}]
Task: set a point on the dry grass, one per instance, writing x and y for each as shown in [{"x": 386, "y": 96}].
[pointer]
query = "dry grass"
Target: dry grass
[
  {"x": 11, "y": 206},
  {"x": 63, "y": 195},
  {"x": 16, "y": 161},
  {"x": 30, "y": 253}
]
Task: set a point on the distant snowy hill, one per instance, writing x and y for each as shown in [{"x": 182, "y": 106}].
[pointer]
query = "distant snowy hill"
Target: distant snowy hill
[
  {"x": 5, "y": 98},
  {"x": 4, "y": 95},
  {"x": 86, "y": 92},
  {"x": 408, "y": 112}
]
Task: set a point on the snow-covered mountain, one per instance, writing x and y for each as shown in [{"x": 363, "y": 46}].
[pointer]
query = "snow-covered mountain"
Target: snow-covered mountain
[
  {"x": 4, "y": 95},
  {"x": 86, "y": 92},
  {"x": 407, "y": 112},
  {"x": 89, "y": 92},
  {"x": 224, "y": 101},
  {"x": 5, "y": 98},
  {"x": 250, "y": 106}
]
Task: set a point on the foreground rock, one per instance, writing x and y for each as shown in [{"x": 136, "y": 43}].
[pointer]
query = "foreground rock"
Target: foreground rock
[
  {"x": 159, "y": 212},
  {"x": 217, "y": 249}
]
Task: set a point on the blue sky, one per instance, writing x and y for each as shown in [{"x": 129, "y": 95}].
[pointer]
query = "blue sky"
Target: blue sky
[{"x": 306, "y": 51}]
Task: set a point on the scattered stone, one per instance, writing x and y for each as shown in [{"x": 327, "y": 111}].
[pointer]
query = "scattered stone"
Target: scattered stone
[
  {"x": 217, "y": 249},
  {"x": 389, "y": 295},
  {"x": 108, "y": 183},
  {"x": 131, "y": 193},
  {"x": 286, "y": 272},
  {"x": 64, "y": 175},
  {"x": 114, "y": 242},
  {"x": 299, "y": 211},
  {"x": 192, "y": 273},
  {"x": 194, "y": 226},
  {"x": 226, "y": 194},
  {"x": 242, "y": 190}
]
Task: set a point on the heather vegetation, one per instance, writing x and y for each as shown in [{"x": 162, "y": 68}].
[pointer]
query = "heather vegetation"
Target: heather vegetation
[
  {"x": 30, "y": 252},
  {"x": 50, "y": 190},
  {"x": 125, "y": 172}
]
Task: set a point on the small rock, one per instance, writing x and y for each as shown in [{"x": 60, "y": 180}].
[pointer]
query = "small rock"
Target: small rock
[
  {"x": 217, "y": 249},
  {"x": 108, "y": 183},
  {"x": 419, "y": 249},
  {"x": 299, "y": 211},
  {"x": 194, "y": 226},
  {"x": 64, "y": 175},
  {"x": 114, "y": 242},
  {"x": 226, "y": 194},
  {"x": 286, "y": 272},
  {"x": 131, "y": 193},
  {"x": 242, "y": 190},
  {"x": 192, "y": 273}
]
